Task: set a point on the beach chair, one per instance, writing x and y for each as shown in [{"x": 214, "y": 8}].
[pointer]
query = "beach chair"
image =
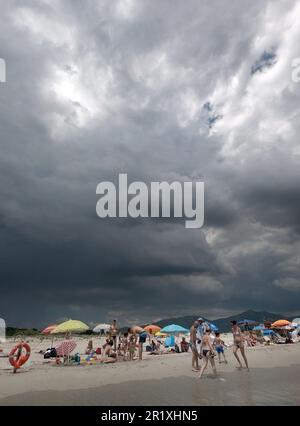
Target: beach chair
[{"x": 66, "y": 348}]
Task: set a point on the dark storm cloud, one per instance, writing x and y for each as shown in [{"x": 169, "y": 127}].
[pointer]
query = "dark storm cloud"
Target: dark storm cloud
[{"x": 120, "y": 87}]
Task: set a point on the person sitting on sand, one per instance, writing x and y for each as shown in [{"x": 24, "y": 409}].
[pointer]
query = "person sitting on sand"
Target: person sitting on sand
[
  {"x": 108, "y": 349},
  {"x": 184, "y": 346},
  {"x": 219, "y": 345},
  {"x": 89, "y": 350},
  {"x": 208, "y": 353},
  {"x": 238, "y": 344}
]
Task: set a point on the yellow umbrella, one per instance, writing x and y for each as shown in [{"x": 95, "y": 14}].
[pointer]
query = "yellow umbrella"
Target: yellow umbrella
[
  {"x": 159, "y": 334},
  {"x": 71, "y": 326}
]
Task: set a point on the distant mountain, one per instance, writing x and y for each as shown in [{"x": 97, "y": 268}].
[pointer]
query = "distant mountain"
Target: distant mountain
[{"x": 223, "y": 323}]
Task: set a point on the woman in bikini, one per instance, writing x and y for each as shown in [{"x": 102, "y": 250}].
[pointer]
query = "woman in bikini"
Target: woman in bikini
[
  {"x": 208, "y": 353},
  {"x": 238, "y": 344}
]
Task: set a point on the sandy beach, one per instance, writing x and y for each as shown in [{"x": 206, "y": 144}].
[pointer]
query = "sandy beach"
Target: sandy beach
[{"x": 274, "y": 379}]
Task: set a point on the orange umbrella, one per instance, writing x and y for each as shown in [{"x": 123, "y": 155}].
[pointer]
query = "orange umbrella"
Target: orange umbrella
[
  {"x": 48, "y": 329},
  {"x": 152, "y": 328},
  {"x": 280, "y": 323}
]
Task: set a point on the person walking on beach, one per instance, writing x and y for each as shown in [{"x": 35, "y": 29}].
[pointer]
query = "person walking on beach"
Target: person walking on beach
[
  {"x": 114, "y": 333},
  {"x": 208, "y": 353},
  {"x": 219, "y": 345},
  {"x": 193, "y": 344},
  {"x": 238, "y": 344}
]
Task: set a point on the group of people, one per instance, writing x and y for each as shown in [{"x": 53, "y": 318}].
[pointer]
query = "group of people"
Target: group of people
[
  {"x": 130, "y": 345},
  {"x": 126, "y": 346},
  {"x": 205, "y": 345}
]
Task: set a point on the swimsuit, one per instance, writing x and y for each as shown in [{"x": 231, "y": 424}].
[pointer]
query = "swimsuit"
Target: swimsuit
[{"x": 220, "y": 349}]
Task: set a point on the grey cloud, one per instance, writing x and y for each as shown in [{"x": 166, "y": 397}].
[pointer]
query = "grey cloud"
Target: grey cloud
[{"x": 120, "y": 87}]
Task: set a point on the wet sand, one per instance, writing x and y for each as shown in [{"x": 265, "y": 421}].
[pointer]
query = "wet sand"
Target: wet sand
[{"x": 259, "y": 387}]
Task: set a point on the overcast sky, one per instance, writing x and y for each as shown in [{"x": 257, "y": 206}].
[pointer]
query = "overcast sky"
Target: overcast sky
[{"x": 161, "y": 90}]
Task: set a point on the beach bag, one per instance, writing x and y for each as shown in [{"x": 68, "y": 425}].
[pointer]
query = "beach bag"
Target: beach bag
[{"x": 50, "y": 353}]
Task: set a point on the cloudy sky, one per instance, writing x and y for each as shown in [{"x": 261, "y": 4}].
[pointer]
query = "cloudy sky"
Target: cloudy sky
[{"x": 161, "y": 90}]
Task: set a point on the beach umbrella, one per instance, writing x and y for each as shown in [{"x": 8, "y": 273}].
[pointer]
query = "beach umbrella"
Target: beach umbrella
[
  {"x": 152, "y": 328},
  {"x": 102, "y": 328},
  {"x": 247, "y": 321},
  {"x": 280, "y": 323},
  {"x": 259, "y": 327},
  {"x": 71, "y": 326},
  {"x": 160, "y": 334},
  {"x": 212, "y": 326},
  {"x": 296, "y": 322},
  {"x": 49, "y": 329},
  {"x": 174, "y": 328}
]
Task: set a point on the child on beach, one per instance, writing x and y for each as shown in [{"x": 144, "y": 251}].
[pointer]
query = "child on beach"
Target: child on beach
[
  {"x": 219, "y": 345},
  {"x": 124, "y": 345},
  {"x": 132, "y": 346}
]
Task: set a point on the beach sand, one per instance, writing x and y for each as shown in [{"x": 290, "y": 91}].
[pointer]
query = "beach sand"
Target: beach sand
[{"x": 274, "y": 379}]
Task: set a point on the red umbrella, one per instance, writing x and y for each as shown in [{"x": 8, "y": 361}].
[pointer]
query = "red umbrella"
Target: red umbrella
[{"x": 48, "y": 329}]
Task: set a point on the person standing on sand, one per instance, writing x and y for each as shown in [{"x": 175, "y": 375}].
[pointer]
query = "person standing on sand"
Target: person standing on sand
[
  {"x": 238, "y": 344},
  {"x": 114, "y": 333},
  {"x": 193, "y": 344},
  {"x": 142, "y": 340},
  {"x": 201, "y": 329}
]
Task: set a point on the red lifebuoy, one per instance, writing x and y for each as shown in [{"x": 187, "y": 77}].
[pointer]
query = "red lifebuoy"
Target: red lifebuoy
[{"x": 16, "y": 358}]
